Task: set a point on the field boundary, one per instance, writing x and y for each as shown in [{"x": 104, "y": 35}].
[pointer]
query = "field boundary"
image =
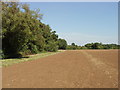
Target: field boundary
[{"x": 8, "y": 62}]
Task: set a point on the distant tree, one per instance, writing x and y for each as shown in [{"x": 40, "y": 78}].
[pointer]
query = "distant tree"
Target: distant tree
[
  {"x": 89, "y": 45},
  {"x": 118, "y": 47},
  {"x": 69, "y": 47},
  {"x": 94, "y": 45},
  {"x": 97, "y": 46},
  {"x": 83, "y": 47},
  {"x": 73, "y": 44}
]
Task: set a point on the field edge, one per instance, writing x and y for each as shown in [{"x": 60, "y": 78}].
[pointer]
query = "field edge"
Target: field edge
[{"x": 8, "y": 62}]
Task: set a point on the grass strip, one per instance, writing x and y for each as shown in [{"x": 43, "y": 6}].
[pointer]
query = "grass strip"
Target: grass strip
[{"x": 8, "y": 62}]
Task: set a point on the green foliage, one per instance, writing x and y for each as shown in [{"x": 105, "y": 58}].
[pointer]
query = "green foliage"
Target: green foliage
[
  {"x": 62, "y": 43},
  {"x": 73, "y": 44},
  {"x": 23, "y": 32},
  {"x": 83, "y": 47},
  {"x": 51, "y": 46},
  {"x": 72, "y": 47},
  {"x": 69, "y": 47},
  {"x": 101, "y": 46},
  {"x": 89, "y": 45},
  {"x": 93, "y": 46},
  {"x": 51, "y": 39}
]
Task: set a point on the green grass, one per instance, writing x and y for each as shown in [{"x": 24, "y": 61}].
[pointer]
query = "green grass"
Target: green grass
[{"x": 8, "y": 62}]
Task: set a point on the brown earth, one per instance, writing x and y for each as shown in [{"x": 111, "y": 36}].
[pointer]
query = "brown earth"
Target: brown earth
[{"x": 69, "y": 69}]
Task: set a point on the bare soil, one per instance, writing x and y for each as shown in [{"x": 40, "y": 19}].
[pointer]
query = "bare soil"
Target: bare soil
[{"x": 69, "y": 69}]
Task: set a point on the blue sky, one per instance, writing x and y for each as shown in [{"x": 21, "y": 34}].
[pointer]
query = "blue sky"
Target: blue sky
[{"x": 81, "y": 22}]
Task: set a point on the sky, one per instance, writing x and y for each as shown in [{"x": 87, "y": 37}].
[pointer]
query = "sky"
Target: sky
[{"x": 81, "y": 22}]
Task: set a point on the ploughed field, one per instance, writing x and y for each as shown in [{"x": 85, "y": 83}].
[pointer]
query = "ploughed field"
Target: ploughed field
[{"x": 69, "y": 69}]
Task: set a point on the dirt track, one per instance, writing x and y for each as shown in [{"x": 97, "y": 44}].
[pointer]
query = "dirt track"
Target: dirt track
[{"x": 69, "y": 69}]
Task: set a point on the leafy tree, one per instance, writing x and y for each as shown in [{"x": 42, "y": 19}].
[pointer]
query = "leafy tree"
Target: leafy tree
[
  {"x": 51, "y": 38},
  {"x": 73, "y": 44},
  {"x": 83, "y": 47},
  {"x": 51, "y": 46},
  {"x": 62, "y": 44},
  {"x": 101, "y": 46},
  {"x": 96, "y": 46},
  {"x": 14, "y": 30},
  {"x": 69, "y": 47},
  {"x": 23, "y": 33},
  {"x": 89, "y": 45}
]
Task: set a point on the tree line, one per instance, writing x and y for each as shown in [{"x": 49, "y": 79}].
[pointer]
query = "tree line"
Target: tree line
[
  {"x": 95, "y": 45},
  {"x": 23, "y": 33}
]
